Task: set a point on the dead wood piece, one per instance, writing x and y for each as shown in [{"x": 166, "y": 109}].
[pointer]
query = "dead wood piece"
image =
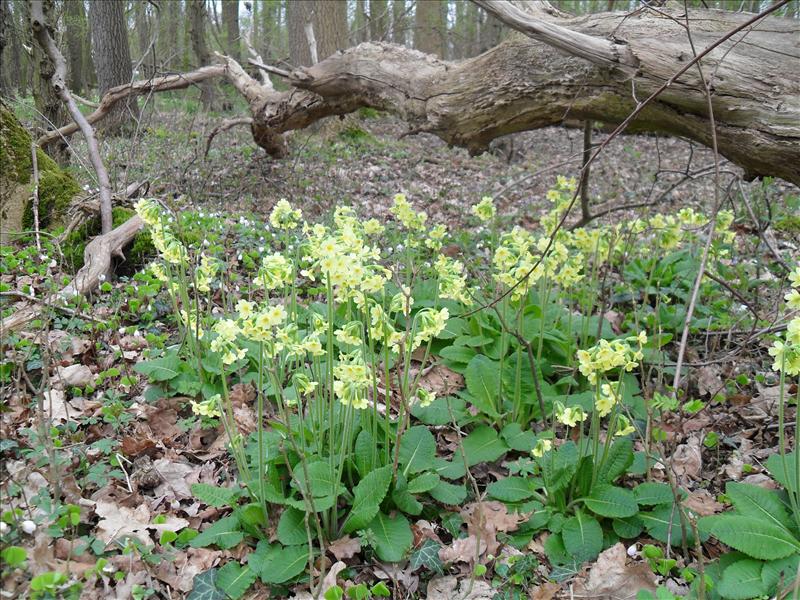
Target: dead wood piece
[{"x": 97, "y": 264}]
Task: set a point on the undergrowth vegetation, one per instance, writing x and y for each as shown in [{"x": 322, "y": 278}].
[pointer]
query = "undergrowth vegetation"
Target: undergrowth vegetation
[{"x": 387, "y": 394}]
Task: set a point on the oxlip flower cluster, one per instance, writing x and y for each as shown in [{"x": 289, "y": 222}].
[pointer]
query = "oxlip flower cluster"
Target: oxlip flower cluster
[
  {"x": 606, "y": 356},
  {"x": 484, "y": 210},
  {"x": 283, "y": 216},
  {"x": 411, "y": 220},
  {"x": 786, "y": 351},
  {"x": 207, "y": 408},
  {"x": 569, "y": 416},
  {"x": 352, "y": 380},
  {"x": 170, "y": 248},
  {"x": 224, "y": 343},
  {"x": 452, "y": 281}
]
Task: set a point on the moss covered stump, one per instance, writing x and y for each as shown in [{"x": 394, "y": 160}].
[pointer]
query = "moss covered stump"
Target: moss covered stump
[{"x": 56, "y": 187}]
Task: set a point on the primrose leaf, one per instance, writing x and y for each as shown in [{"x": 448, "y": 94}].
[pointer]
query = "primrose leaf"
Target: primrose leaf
[
  {"x": 368, "y": 495},
  {"x": 483, "y": 445},
  {"x": 235, "y": 579},
  {"x": 483, "y": 383},
  {"x": 417, "y": 450},
  {"x": 392, "y": 537}
]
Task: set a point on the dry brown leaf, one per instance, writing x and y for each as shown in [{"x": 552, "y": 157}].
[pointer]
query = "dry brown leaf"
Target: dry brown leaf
[
  {"x": 74, "y": 376},
  {"x": 463, "y": 550},
  {"x": 174, "y": 478},
  {"x": 242, "y": 394},
  {"x": 119, "y": 521},
  {"x": 345, "y": 547},
  {"x": 55, "y": 405},
  {"x": 449, "y": 588},
  {"x": 703, "y": 503},
  {"x": 330, "y": 577},
  {"x": 546, "y": 591},
  {"x": 612, "y": 578},
  {"x": 709, "y": 380},
  {"x": 687, "y": 460},
  {"x": 441, "y": 380},
  {"x": 179, "y": 573}
]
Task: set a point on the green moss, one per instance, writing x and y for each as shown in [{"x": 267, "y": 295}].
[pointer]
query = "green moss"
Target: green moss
[
  {"x": 137, "y": 254},
  {"x": 788, "y": 224},
  {"x": 15, "y": 149},
  {"x": 56, "y": 187},
  {"x": 56, "y": 191}
]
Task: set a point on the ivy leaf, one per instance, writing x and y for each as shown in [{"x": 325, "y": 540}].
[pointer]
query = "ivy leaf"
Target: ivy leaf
[
  {"x": 483, "y": 384},
  {"x": 204, "y": 587},
  {"x": 235, "y": 579},
  {"x": 368, "y": 495},
  {"x": 392, "y": 537},
  {"x": 427, "y": 556}
]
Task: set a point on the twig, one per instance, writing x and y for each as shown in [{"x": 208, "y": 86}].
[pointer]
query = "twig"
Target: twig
[
  {"x": 35, "y": 163},
  {"x": 225, "y": 126},
  {"x": 586, "y": 216},
  {"x": 761, "y": 231},
  {"x": 269, "y": 68}
]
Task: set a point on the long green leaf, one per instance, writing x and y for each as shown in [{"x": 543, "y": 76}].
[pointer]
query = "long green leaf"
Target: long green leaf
[
  {"x": 582, "y": 536},
  {"x": 392, "y": 537},
  {"x": 751, "y": 536},
  {"x": 611, "y": 501},
  {"x": 742, "y": 580},
  {"x": 417, "y": 450},
  {"x": 483, "y": 384},
  {"x": 754, "y": 501},
  {"x": 368, "y": 495}
]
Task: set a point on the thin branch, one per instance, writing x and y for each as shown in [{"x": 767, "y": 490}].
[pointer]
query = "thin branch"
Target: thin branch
[
  {"x": 35, "y": 164},
  {"x": 225, "y": 126},
  {"x": 40, "y": 29}
]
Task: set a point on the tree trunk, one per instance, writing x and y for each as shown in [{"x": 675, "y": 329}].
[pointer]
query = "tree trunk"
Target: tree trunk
[
  {"x": 428, "y": 27},
  {"x": 197, "y": 19},
  {"x": 77, "y": 32},
  {"x": 112, "y": 60},
  {"x": 298, "y": 14},
  {"x": 230, "y": 23},
  {"x": 330, "y": 26},
  {"x": 7, "y": 84},
  {"x": 360, "y": 26},
  {"x": 378, "y": 19},
  {"x": 142, "y": 27},
  {"x": 48, "y": 104},
  {"x": 399, "y": 21}
]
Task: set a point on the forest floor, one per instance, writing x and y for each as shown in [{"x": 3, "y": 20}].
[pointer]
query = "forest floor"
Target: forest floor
[{"x": 103, "y": 454}]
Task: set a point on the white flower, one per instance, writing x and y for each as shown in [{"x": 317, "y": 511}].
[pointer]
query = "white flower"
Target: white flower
[
  {"x": 3, "y": 528},
  {"x": 101, "y": 277},
  {"x": 28, "y": 527},
  {"x": 632, "y": 551}
]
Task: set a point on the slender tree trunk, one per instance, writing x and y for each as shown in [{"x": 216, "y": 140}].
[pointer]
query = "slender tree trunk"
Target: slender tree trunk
[
  {"x": 6, "y": 83},
  {"x": 142, "y": 27},
  {"x": 48, "y": 104},
  {"x": 112, "y": 60},
  {"x": 378, "y": 19},
  {"x": 429, "y": 27},
  {"x": 399, "y": 21},
  {"x": 230, "y": 24},
  {"x": 330, "y": 26},
  {"x": 77, "y": 32},
  {"x": 299, "y": 12},
  {"x": 197, "y": 19},
  {"x": 360, "y": 26}
]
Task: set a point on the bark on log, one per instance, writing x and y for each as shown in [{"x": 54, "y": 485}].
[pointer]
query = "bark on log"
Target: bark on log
[
  {"x": 603, "y": 66},
  {"x": 523, "y": 84}
]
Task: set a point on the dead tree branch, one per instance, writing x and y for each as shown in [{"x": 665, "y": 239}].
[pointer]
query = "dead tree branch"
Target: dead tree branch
[{"x": 42, "y": 32}]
